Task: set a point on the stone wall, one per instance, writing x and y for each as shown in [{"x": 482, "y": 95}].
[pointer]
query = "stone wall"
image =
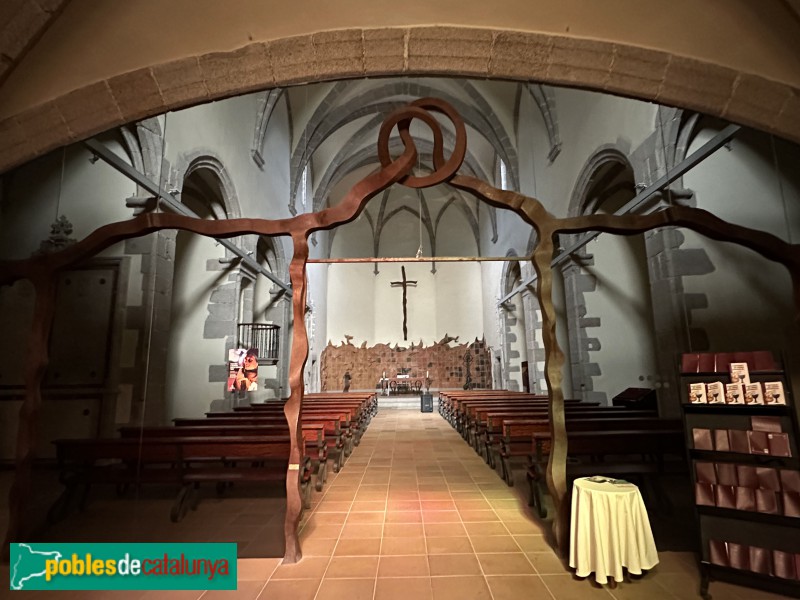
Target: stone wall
[{"x": 444, "y": 361}]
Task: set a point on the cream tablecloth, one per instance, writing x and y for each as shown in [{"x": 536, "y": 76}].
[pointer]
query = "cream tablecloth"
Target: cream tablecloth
[{"x": 610, "y": 530}]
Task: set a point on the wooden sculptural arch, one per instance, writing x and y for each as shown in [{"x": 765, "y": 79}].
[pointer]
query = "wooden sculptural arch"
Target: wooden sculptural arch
[{"x": 40, "y": 270}]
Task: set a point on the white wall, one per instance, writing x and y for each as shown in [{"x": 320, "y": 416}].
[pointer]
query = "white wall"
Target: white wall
[
  {"x": 627, "y": 355},
  {"x": 188, "y": 391},
  {"x": 88, "y": 194},
  {"x": 750, "y": 303},
  {"x": 367, "y": 307}
]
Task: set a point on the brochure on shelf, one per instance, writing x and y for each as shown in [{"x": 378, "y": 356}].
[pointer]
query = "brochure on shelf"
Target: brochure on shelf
[
  {"x": 753, "y": 393},
  {"x": 773, "y": 393},
  {"x": 734, "y": 393},
  {"x": 715, "y": 392},
  {"x": 697, "y": 393},
  {"x": 739, "y": 373}
]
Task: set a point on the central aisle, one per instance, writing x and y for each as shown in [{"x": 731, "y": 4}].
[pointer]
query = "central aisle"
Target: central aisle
[{"x": 416, "y": 514}]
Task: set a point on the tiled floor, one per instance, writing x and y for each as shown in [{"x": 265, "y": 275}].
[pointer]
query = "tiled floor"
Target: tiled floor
[{"x": 416, "y": 514}]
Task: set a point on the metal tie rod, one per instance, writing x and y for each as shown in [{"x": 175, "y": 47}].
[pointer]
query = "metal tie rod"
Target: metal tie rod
[
  {"x": 688, "y": 163},
  {"x": 103, "y": 153}
]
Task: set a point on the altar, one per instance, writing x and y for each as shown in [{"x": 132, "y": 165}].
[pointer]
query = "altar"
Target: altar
[{"x": 403, "y": 384}]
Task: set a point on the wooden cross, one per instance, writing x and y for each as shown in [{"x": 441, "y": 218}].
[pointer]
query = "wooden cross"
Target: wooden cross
[{"x": 404, "y": 284}]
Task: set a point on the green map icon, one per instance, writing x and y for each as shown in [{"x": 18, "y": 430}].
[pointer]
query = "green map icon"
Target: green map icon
[{"x": 28, "y": 564}]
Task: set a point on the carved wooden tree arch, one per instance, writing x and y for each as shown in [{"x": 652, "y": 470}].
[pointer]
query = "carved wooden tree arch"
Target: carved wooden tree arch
[{"x": 40, "y": 270}]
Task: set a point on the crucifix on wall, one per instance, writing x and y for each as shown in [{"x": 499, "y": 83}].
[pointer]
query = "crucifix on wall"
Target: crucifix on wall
[{"x": 404, "y": 284}]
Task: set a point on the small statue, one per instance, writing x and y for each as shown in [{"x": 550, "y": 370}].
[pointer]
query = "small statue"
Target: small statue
[{"x": 347, "y": 379}]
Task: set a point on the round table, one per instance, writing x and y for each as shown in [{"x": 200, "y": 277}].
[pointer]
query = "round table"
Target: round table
[{"x": 609, "y": 530}]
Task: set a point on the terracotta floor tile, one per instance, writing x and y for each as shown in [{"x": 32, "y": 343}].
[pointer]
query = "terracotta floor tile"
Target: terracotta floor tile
[
  {"x": 374, "y": 487},
  {"x": 435, "y": 495},
  {"x": 318, "y": 546},
  {"x": 320, "y": 532},
  {"x": 478, "y": 516},
  {"x": 352, "y": 567},
  {"x": 472, "y": 504},
  {"x": 333, "y": 506},
  {"x": 523, "y": 527},
  {"x": 403, "y": 566},
  {"x": 327, "y": 518},
  {"x": 494, "y": 543},
  {"x": 440, "y": 516},
  {"x": 346, "y": 494},
  {"x": 460, "y": 588},
  {"x": 444, "y": 529},
  {"x": 310, "y": 567},
  {"x": 362, "y": 530},
  {"x": 358, "y": 547},
  {"x": 371, "y": 496},
  {"x": 402, "y": 505},
  {"x": 547, "y": 563},
  {"x": 368, "y": 506},
  {"x": 404, "y": 516},
  {"x": 449, "y": 545},
  {"x": 565, "y": 587},
  {"x": 516, "y": 587},
  {"x": 256, "y": 569},
  {"x": 454, "y": 564},
  {"x": 533, "y": 543},
  {"x": 246, "y": 590},
  {"x": 431, "y": 505},
  {"x": 405, "y": 588},
  {"x": 409, "y": 461},
  {"x": 351, "y": 589},
  {"x": 404, "y": 530},
  {"x": 402, "y": 546},
  {"x": 398, "y": 494},
  {"x": 677, "y": 562},
  {"x": 506, "y": 504},
  {"x": 515, "y": 563},
  {"x": 365, "y": 518},
  {"x": 496, "y": 528},
  {"x": 290, "y": 589}
]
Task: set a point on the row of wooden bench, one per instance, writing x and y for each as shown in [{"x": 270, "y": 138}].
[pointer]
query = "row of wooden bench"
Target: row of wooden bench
[
  {"x": 246, "y": 445},
  {"x": 613, "y": 441}
]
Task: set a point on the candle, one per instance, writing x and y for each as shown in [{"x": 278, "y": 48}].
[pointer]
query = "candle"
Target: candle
[{"x": 426, "y": 374}]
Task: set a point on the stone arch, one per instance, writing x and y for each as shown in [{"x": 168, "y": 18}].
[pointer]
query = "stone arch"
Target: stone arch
[
  {"x": 266, "y": 105},
  {"x": 205, "y": 158},
  {"x": 232, "y": 288},
  {"x": 605, "y": 65},
  {"x": 578, "y": 283}
]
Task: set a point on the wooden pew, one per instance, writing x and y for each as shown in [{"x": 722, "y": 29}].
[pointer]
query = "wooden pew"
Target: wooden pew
[
  {"x": 313, "y": 435},
  {"x": 450, "y": 405},
  {"x": 590, "y": 452},
  {"x": 347, "y": 418},
  {"x": 518, "y": 440},
  {"x": 337, "y": 427},
  {"x": 474, "y": 421},
  {"x": 183, "y": 461}
]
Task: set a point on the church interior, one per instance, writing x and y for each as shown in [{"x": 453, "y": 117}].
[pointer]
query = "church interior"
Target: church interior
[{"x": 429, "y": 352}]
